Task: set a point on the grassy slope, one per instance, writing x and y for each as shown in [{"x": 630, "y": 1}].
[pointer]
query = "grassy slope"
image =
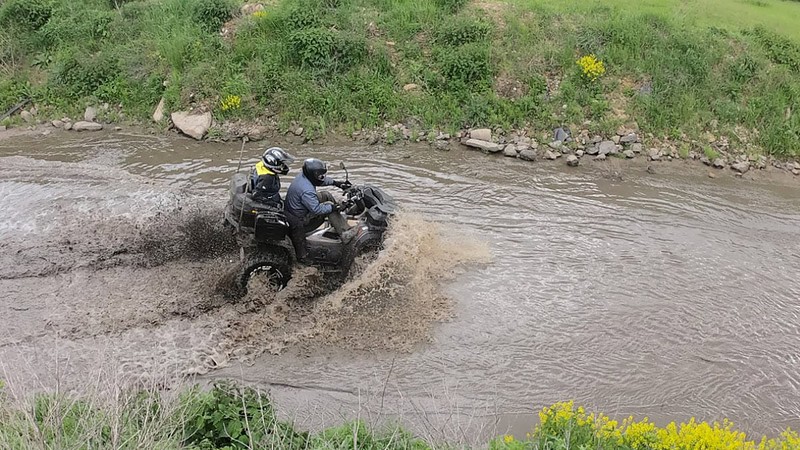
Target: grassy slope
[{"x": 342, "y": 64}]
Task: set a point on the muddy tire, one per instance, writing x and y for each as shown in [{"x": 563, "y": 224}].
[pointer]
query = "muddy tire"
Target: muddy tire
[{"x": 275, "y": 265}]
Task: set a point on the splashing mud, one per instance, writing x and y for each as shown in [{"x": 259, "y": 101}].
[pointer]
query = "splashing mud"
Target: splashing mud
[{"x": 389, "y": 303}]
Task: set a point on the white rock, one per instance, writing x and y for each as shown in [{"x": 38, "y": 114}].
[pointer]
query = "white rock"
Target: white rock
[
  {"x": 481, "y": 134},
  {"x": 90, "y": 114},
  {"x": 87, "y": 126},
  {"x": 510, "y": 151},
  {"x": 158, "y": 114},
  {"x": 26, "y": 116},
  {"x": 572, "y": 161},
  {"x": 486, "y": 146},
  {"x": 192, "y": 125},
  {"x": 57, "y": 124}
]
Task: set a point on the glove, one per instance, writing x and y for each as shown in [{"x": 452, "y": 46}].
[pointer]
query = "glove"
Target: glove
[
  {"x": 343, "y": 185},
  {"x": 344, "y": 206}
]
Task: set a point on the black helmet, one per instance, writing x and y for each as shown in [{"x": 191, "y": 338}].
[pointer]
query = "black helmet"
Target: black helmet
[
  {"x": 277, "y": 160},
  {"x": 315, "y": 171}
]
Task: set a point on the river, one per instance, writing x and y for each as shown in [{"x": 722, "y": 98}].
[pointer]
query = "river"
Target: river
[{"x": 670, "y": 295}]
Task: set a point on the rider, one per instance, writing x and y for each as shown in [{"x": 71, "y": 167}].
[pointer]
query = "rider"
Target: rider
[
  {"x": 306, "y": 208},
  {"x": 265, "y": 179}
]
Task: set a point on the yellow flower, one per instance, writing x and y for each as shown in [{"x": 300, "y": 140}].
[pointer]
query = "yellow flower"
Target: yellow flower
[
  {"x": 260, "y": 14},
  {"x": 231, "y": 102},
  {"x": 508, "y": 439},
  {"x": 591, "y": 67}
]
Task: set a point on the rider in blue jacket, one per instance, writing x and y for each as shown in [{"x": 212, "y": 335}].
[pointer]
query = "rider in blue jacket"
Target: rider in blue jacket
[{"x": 306, "y": 208}]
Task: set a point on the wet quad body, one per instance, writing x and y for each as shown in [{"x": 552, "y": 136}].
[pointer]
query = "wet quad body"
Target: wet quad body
[{"x": 263, "y": 233}]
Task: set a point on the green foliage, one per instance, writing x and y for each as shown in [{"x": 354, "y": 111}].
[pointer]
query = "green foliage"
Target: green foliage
[
  {"x": 468, "y": 66},
  {"x": 232, "y": 417},
  {"x": 77, "y": 75},
  {"x": 781, "y": 50},
  {"x": 302, "y": 16},
  {"x": 319, "y": 48},
  {"x": 26, "y": 15},
  {"x": 211, "y": 14},
  {"x": 451, "y": 6},
  {"x": 461, "y": 30}
]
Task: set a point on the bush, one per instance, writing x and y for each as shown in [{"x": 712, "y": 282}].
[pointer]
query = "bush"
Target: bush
[
  {"x": 303, "y": 16},
  {"x": 462, "y": 31},
  {"x": 77, "y": 75},
  {"x": 212, "y": 14},
  {"x": 25, "y": 14},
  {"x": 319, "y": 49},
  {"x": 468, "y": 66}
]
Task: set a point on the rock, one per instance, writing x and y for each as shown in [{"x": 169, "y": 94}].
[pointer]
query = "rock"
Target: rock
[
  {"x": 117, "y": 128},
  {"x": 573, "y": 161},
  {"x": 26, "y": 116},
  {"x": 87, "y": 126},
  {"x": 481, "y": 134},
  {"x": 629, "y": 154},
  {"x": 486, "y": 146},
  {"x": 705, "y": 160},
  {"x": 629, "y": 138},
  {"x": 527, "y": 155},
  {"x": 298, "y": 131},
  {"x": 596, "y": 139},
  {"x": 34, "y": 111},
  {"x": 637, "y": 148},
  {"x": 158, "y": 114},
  {"x": 761, "y": 163},
  {"x": 607, "y": 147},
  {"x": 257, "y": 133},
  {"x": 46, "y": 133},
  {"x": 442, "y": 145},
  {"x": 579, "y": 153},
  {"x": 373, "y": 139},
  {"x": 615, "y": 139},
  {"x": 718, "y": 163},
  {"x": 560, "y": 135},
  {"x": 654, "y": 154},
  {"x": 593, "y": 150},
  {"x": 712, "y": 175},
  {"x": 651, "y": 170},
  {"x": 555, "y": 145},
  {"x": 57, "y": 124},
  {"x": 442, "y": 136},
  {"x": 795, "y": 172},
  {"x": 551, "y": 155},
  {"x": 600, "y": 157},
  {"x": 510, "y": 151},
  {"x": 192, "y": 125},
  {"x": 90, "y": 114},
  {"x": 67, "y": 125},
  {"x": 741, "y": 167},
  {"x": 411, "y": 87},
  {"x": 797, "y": 165}
]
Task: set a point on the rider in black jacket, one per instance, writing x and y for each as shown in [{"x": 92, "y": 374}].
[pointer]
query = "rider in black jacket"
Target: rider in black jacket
[{"x": 265, "y": 177}]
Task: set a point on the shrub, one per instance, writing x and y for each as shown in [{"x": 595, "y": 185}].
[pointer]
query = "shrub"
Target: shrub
[
  {"x": 463, "y": 31},
  {"x": 468, "y": 66},
  {"x": 211, "y": 14},
  {"x": 25, "y": 14},
  {"x": 303, "y": 16},
  {"x": 79, "y": 75},
  {"x": 319, "y": 48}
]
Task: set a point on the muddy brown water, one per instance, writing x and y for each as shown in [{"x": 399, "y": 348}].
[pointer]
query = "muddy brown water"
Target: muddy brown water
[{"x": 667, "y": 295}]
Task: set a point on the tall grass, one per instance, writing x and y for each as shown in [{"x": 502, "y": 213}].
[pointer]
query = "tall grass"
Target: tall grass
[{"x": 332, "y": 64}]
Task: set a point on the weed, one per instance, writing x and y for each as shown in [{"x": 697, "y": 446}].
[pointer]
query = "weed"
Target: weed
[{"x": 710, "y": 153}]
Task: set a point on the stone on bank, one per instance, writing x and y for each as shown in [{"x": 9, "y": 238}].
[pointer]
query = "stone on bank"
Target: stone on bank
[{"x": 192, "y": 125}]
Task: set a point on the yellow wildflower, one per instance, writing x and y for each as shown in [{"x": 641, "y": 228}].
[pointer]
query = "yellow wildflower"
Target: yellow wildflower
[
  {"x": 260, "y": 14},
  {"x": 591, "y": 67},
  {"x": 508, "y": 439},
  {"x": 231, "y": 102}
]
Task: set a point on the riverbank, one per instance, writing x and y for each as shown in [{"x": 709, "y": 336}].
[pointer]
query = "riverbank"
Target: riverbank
[
  {"x": 417, "y": 70},
  {"x": 229, "y": 416}
]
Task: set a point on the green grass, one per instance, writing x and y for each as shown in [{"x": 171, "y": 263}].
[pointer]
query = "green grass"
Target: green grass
[
  {"x": 672, "y": 67},
  {"x": 232, "y": 417}
]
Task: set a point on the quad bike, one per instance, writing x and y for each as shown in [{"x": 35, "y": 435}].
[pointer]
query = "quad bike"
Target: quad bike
[{"x": 263, "y": 233}]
